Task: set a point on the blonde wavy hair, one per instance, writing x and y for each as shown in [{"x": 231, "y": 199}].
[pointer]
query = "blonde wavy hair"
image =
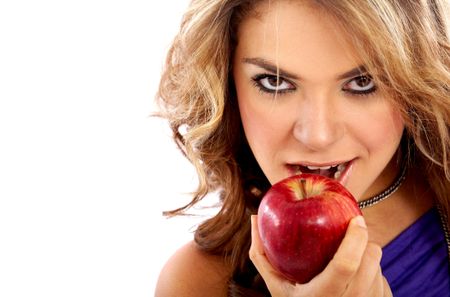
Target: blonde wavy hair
[{"x": 405, "y": 47}]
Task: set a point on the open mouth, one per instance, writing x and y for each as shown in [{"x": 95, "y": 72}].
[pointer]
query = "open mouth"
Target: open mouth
[{"x": 331, "y": 171}]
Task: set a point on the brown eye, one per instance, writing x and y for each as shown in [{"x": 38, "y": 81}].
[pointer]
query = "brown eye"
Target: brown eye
[
  {"x": 363, "y": 81},
  {"x": 362, "y": 84},
  {"x": 272, "y": 83}
]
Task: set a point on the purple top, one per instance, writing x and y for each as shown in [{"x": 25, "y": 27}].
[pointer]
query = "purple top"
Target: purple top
[{"x": 416, "y": 263}]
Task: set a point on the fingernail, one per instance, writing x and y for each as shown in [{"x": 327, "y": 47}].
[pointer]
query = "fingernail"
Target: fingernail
[{"x": 359, "y": 220}]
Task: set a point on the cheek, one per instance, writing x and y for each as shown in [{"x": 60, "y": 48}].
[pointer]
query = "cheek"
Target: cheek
[
  {"x": 264, "y": 125},
  {"x": 257, "y": 124},
  {"x": 382, "y": 131}
]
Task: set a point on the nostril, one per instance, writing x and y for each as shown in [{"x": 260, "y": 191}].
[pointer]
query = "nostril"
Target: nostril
[
  {"x": 318, "y": 132},
  {"x": 316, "y": 138}
]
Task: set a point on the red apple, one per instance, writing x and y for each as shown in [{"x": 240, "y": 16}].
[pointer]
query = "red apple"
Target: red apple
[{"x": 302, "y": 220}]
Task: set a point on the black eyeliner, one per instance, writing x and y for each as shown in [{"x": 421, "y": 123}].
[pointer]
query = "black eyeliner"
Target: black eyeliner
[
  {"x": 257, "y": 78},
  {"x": 363, "y": 92}
]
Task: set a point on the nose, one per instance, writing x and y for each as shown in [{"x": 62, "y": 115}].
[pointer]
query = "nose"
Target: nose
[{"x": 318, "y": 125}]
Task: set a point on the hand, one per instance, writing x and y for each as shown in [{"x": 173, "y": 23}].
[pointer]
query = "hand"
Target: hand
[{"x": 354, "y": 270}]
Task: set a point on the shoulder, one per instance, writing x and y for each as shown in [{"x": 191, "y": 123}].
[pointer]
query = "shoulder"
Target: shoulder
[{"x": 192, "y": 272}]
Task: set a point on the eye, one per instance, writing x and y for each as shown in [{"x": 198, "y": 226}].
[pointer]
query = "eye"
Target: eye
[
  {"x": 272, "y": 84},
  {"x": 360, "y": 85}
]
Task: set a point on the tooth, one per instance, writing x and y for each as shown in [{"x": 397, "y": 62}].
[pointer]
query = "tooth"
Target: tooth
[
  {"x": 318, "y": 167},
  {"x": 337, "y": 174},
  {"x": 341, "y": 167},
  {"x": 313, "y": 167}
]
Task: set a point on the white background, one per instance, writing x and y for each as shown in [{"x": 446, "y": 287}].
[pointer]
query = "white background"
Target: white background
[{"x": 84, "y": 171}]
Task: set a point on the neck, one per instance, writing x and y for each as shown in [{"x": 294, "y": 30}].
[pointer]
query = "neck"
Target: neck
[
  {"x": 389, "y": 191},
  {"x": 388, "y": 219}
]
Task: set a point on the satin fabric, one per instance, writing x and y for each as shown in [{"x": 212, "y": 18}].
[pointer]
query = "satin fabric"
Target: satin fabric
[{"x": 416, "y": 262}]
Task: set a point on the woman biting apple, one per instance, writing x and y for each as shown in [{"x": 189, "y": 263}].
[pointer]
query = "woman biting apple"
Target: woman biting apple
[{"x": 257, "y": 92}]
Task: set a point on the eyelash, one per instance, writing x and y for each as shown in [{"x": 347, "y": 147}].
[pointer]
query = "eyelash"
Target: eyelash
[
  {"x": 367, "y": 92},
  {"x": 257, "y": 82},
  {"x": 259, "y": 77}
]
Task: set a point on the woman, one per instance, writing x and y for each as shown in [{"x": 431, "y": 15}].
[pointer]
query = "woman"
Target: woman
[{"x": 256, "y": 91}]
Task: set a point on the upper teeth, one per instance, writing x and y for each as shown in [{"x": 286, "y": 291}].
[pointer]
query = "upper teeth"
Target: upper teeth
[
  {"x": 339, "y": 169},
  {"x": 318, "y": 167}
]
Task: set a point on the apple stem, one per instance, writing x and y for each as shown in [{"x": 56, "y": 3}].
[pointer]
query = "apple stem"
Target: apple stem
[{"x": 302, "y": 187}]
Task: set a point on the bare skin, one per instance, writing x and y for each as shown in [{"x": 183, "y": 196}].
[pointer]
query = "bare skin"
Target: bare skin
[{"x": 191, "y": 272}]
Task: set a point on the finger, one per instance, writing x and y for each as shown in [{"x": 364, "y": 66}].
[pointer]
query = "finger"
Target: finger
[
  {"x": 271, "y": 277},
  {"x": 257, "y": 254},
  {"x": 380, "y": 287},
  {"x": 367, "y": 279},
  {"x": 345, "y": 263},
  {"x": 386, "y": 288},
  {"x": 377, "y": 289}
]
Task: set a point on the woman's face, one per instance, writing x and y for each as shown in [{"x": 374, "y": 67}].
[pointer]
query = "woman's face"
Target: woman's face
[{"x": 324, "y": 110}]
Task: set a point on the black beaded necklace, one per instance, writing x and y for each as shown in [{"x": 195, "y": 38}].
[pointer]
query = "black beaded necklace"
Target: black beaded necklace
[{"x": 386, "y": 193}]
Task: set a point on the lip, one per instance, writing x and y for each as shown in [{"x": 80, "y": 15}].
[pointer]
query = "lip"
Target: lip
[
  {"x": 319, "y": 164},
  {"x": 346, "y": 173},
  {"x": 291, "y": 167}
]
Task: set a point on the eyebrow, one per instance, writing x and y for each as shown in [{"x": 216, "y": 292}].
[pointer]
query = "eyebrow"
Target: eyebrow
[
  {"x": 269, "y": 67},
  {"x": 359, "y": 70}
]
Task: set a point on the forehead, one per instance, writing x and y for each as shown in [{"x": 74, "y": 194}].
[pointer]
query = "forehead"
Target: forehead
[{"x": 298, "y": 35}]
